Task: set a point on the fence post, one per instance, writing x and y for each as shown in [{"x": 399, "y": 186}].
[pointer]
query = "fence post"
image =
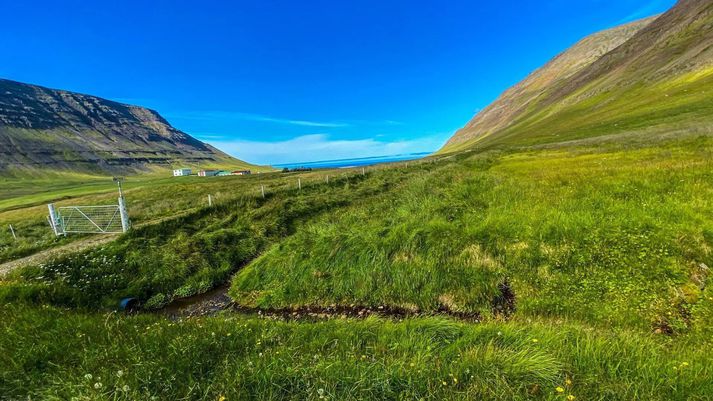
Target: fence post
[
  {"x": 299, "y": 183},
  {"x": 327, "y": 178},
  {"x": 13, "y": 232},
  {"x": 262, "y": 188},
  {"x": 54, "y": 220},
  {"x": 363, "y": 171},
  {"x": 210, "y": 200},
  {"x": 125, "y": 223}
]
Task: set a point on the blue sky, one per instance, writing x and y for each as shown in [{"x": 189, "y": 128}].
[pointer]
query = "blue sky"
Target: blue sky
[{"x": 291, "y": 81}]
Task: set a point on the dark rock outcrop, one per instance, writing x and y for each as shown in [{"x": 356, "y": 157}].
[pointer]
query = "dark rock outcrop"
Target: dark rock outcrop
[{"x": 42, "y": 128}]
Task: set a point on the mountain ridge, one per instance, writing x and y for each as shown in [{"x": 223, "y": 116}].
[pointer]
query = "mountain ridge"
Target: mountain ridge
[
  {"x": 512, "y": 102},
  {"x": 43, "y": 128},
  {"x": 652, "y": 76}
]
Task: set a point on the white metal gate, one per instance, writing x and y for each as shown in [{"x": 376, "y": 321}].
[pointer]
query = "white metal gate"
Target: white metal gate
[
  {"x": 109, "y": 219},
  {"x": 90, "y": 219}
]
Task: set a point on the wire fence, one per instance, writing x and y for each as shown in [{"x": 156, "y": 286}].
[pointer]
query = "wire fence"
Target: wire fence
[
  {"x": 107, "y": 219},
  {"x": 152, "y": 209},
  {"x": 302, "y": 180}
]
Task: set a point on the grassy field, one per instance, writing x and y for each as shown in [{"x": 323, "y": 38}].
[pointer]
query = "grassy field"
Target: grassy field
[
  {"x": 191, "y": 253},
  {"x": 24, "y": 203},
  {"x": 587, "y": 268}
]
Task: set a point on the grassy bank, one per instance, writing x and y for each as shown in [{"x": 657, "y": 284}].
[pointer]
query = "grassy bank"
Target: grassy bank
[
  {"x": 616, "y": 237},
  {"x": 192, "y": 253}
]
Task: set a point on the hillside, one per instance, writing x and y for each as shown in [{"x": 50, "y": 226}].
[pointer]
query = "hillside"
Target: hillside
[
  {"x": 650, "y": 76},
  {"x": 44, "y": 129}
]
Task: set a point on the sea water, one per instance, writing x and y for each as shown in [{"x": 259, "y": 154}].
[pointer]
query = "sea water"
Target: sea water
[{"x": 357, "y": 162}]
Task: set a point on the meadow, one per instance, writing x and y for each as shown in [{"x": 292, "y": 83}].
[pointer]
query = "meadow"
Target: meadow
[
  {"x": 151, "y": 198},
  {"x": 559, "y": 273}
]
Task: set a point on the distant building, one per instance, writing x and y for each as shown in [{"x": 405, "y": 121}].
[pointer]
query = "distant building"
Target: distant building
[
  {"x": 222, "y": 173},
  {"x": 181, "y": 172},
  {"x": 208, "y": 173},
  {"x": 241, "y": 172}
]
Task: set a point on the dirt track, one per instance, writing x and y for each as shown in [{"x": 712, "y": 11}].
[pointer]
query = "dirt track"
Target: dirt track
[
  {"x": 80, "y": 245},
  {"x": 48, "y": 254}
]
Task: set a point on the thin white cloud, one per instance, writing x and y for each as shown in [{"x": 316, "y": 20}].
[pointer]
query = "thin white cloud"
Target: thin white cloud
[
  {"x": 318, "y": 147},
  {"x": 234, "y": 115}
]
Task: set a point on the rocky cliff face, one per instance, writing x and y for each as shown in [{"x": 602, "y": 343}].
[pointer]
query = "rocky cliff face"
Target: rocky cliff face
[
  {"x": 638, "y": 76},
  {"x": 54, "y": 129}
]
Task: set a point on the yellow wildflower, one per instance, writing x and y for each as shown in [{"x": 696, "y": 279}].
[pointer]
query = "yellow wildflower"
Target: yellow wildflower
[
  {"x": 560, "y": 389},
  {"x": 571, "y": 397}
]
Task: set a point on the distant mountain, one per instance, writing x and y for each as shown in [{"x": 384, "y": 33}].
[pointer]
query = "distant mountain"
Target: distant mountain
[
  {"x": 47, "y": 129},
  {"x": 654, "y": 75}
]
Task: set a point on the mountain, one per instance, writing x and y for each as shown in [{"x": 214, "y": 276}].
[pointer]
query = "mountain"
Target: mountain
[
  {"x": 650, "y": 76},
  {"x": 46, "y": 129}
]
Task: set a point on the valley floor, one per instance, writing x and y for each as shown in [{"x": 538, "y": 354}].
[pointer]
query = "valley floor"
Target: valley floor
[{"x": 561, "y": 273}]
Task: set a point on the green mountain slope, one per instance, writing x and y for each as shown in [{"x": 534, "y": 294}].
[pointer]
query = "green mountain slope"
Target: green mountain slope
[
  {"x": 44, "y": 130},
  {"x": 657, "y": 77}
]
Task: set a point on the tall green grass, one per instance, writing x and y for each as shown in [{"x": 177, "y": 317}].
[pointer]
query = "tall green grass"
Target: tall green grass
[
  {"x": 612, "y": 237},
  {"x": 54, "y": 354}
]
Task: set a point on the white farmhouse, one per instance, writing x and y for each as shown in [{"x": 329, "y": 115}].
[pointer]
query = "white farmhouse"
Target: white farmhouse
[{"x": 181, "y": 172}]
